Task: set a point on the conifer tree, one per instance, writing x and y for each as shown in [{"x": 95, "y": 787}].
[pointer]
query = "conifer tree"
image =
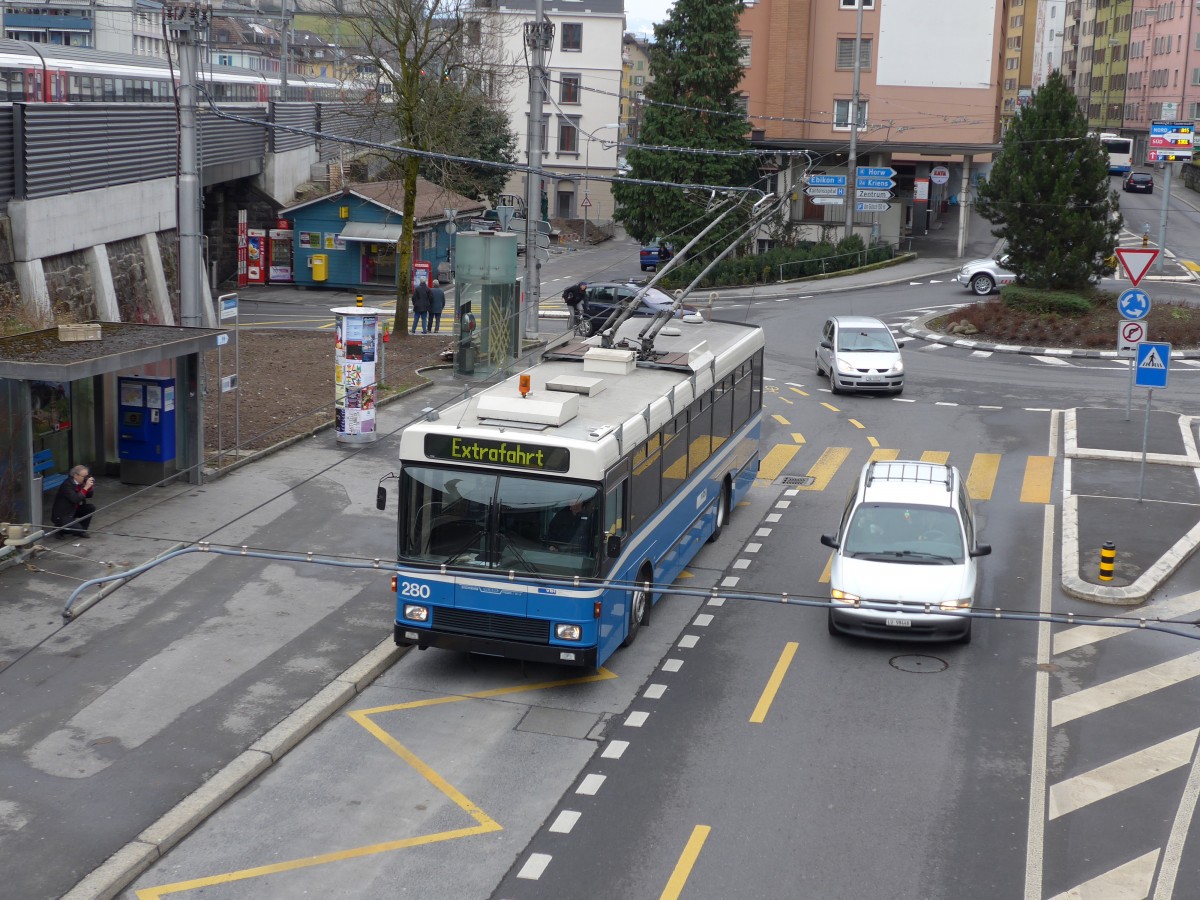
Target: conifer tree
[
  {"x": 695, "y": 62},
  {"x": 1049, "y": 196}
]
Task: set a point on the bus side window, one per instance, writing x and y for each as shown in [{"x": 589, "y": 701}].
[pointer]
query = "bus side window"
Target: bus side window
[
  {"x": 614, "y": 510},
  {"x": 647, "y": 481}
]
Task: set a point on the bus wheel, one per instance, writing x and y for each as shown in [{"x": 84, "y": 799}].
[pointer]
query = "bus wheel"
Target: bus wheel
[
  {"x": 639, "y": 600},
  {"x": 722, "y": 512}
]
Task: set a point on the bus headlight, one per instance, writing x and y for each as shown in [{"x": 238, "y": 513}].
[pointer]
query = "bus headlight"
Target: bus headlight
[
  {"x": 416, "y": 613},
  {"x": 843, "y": 597},
  {"x": 568, "y": 632}
]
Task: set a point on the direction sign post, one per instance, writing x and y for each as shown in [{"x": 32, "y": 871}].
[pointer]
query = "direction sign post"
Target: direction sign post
[
  {"x": 872, "y": 206},
  {"x": 1153, "y": 368}
]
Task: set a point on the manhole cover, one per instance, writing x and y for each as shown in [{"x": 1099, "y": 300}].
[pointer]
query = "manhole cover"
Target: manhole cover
[
  {"x": 918, "y": 664},
  {"x": 796, "y": 480}
]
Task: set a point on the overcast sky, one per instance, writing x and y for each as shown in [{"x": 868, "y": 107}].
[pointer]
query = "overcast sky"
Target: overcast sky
[{"x": 642, "y": 15}]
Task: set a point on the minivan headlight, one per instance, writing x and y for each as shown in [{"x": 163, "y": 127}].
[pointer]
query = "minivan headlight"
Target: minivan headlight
[
  {"x": 843, "y": 597},
  {"x": 897, "y": 368},
  {"x": 965, "y": 603},
  {"x": 845, "y": 368}
]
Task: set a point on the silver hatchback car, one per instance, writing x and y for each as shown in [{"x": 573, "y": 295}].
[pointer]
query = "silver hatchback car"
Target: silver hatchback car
[
  {"x": 858, "y": 353},
  {"x": 905, "y": 550}
]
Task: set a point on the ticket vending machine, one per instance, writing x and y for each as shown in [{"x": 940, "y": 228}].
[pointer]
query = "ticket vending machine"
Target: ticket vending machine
[{"x": 146, "y": 429}]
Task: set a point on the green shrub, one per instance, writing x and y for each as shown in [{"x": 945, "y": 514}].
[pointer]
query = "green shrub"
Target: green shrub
[{"x": 1032, "y": 300}]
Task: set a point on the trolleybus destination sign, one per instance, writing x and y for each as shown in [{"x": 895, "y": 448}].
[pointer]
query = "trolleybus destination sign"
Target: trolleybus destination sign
[{"x": 504, "y": 453}]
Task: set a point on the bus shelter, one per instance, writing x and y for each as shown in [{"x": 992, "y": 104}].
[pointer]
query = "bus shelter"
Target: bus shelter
[{"x": 107, "y": 395}]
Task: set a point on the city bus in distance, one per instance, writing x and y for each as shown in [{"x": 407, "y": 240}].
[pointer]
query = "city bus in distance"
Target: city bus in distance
[
  {"x": 1120, "y": 153},
  {"x": 528, "y": 525}
]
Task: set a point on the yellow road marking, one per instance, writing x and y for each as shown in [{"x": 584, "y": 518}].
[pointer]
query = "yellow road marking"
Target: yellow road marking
[
  {"x": 824, "y": 579},
  {"x": 687, "y": 859},
  {"x": 768, "y": 695},
  {"x": 780, "y": 419},
  {"x": 878, "y": 455},
  {"x": 776, "y": 460},
  {"x": 872, "y": 441},
  {"x": 825, "y": 468},
  {"x": 1188, "y": 264},
  {"x": 485, "y": 823},
  {"x": 787, "y": 401},
  {"x": 982, "y": 477},
  {"x": 797, "y": 437},
  {"x": 857, "y": 424},
  {"x": 1039, "y": 475},
  {"x": 685, "y": 574},
  {"x": 798, "y": 391},
  {"x": 830, "y": 407},
  {"x": 935, "y": 456}
]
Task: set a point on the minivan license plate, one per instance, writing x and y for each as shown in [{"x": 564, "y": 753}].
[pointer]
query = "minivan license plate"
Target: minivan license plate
[{"x": 898, "y": 623}]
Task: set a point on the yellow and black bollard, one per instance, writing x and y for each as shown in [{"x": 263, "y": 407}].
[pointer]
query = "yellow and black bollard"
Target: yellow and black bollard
[
  {"x": 1108, "y": 556},
  {"x": 358, "y": 301}
]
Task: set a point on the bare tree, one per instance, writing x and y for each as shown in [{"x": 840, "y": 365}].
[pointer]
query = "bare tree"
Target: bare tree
[{"x": 431, "y": 64}]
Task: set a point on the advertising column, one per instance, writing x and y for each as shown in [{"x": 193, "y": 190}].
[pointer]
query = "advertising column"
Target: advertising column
[{"x": 357, "y": 368}]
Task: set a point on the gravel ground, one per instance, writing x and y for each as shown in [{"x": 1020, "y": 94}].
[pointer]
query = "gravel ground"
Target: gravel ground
[{"x": 285, "y": 384}]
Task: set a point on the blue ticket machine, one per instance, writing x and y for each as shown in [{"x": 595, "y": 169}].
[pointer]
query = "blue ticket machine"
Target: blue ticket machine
[{"x": 146, "y": 429}]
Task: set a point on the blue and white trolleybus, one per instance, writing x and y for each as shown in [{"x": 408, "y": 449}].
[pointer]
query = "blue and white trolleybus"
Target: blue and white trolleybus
[{"x": 528, "y": 522}]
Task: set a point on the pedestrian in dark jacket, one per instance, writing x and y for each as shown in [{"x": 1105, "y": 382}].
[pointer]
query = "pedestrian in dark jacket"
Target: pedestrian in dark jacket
[
  {"x": 422, "y": 299},
  {"x": 71, "y": 511},
  {"x": 436, "y": 305}
]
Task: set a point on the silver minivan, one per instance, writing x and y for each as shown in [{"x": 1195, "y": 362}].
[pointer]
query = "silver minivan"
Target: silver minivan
[
  {"x": 858, "y": 353},
  {"x": 904, "y": 554}
]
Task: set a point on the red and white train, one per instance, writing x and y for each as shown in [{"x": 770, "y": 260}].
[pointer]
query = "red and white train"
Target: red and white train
[{"x": 46, "y": 73}]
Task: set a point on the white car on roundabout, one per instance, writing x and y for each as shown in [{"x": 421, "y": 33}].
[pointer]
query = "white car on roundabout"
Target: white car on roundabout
[{"x": 985, "y": 276}]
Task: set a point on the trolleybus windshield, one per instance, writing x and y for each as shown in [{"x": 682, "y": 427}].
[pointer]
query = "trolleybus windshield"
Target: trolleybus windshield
[{"x": 483, "y": 520}]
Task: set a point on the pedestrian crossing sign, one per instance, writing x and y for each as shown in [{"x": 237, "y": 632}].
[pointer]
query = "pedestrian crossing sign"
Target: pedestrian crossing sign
[{"x": 1153, "y": 365}]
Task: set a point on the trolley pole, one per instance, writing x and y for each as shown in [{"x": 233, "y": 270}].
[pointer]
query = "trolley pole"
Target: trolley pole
[{"x": 186, "y": 20}]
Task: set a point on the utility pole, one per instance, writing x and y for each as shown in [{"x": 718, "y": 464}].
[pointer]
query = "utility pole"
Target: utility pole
[
  {"x": 852, "y": 159},
  {"x": 283, "y": 51},
  {"x": 539, "y": 35},
  {"x": 186, "y": 21}
]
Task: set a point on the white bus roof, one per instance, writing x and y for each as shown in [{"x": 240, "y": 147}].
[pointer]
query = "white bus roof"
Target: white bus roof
[{"x": 592, "y": 403}]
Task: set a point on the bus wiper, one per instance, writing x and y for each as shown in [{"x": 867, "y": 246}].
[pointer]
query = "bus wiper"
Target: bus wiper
[
  {"x": 465, "y": 546},
  {"x": 512, "y": 545}
]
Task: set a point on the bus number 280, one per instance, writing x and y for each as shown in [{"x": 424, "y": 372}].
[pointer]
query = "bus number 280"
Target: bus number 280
[{"x": 413, "y": 589}]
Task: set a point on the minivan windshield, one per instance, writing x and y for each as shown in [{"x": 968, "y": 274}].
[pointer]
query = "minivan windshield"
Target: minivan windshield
[
  {"x": 866, "y": 340},
  {"x": 898, "y": 533}
]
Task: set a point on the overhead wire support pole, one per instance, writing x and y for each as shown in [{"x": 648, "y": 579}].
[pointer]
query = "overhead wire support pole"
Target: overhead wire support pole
[
  {"x": 538, "y": 36},
  {"x": 852, "y": 157},
  {"x": 186, "y": 20}
]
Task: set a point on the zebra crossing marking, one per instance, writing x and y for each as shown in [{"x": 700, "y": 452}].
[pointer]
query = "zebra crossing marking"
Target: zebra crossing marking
[
  {"x": 1121, "y": 690},
  {"x": 1039, "y": 477},
  {"x": 1122, "y": 774},
  {"x": 1131, "y": 879},
  {"x": 981, "y": 478},
  {"x": 1084, "y": 635},
  {"x": 826, "y": 467}
]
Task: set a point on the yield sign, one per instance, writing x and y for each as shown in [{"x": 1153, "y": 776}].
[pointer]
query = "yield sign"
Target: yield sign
[{"x": 1136, "y": 261}]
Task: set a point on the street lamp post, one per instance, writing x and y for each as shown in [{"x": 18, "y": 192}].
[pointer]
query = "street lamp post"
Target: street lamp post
[{"x": 587, "y": 170}]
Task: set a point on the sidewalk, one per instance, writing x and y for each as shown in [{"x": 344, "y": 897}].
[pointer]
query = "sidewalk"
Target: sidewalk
[{"x": 78, "y": 731}]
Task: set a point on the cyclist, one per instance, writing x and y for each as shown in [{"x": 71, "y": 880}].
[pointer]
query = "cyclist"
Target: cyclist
[{"x": 574, "y": 297}]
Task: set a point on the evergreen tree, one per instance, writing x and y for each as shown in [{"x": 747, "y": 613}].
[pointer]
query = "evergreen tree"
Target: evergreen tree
[
  {"x": 1048, "y": 194},
  {"x": 695, "y": 62}
]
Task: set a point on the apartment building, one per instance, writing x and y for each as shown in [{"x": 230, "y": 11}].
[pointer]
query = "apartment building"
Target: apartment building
[
  {"x": 928, "y": 103},
  {"x": 1110, "y": 48},
  {"x": 1163, "y": 77},
  {"x": 1019, "y": 47},
  {"x": 1049, "y": 40},
  {"x": 635, "y": 75},
  {"x": 581, "y": 115}
]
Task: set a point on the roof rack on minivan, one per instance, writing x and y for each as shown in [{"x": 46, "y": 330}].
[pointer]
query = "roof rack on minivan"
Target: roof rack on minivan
[{"x": 900, "y": 470}]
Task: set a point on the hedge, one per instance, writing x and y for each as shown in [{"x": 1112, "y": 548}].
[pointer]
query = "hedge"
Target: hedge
[
  {"x": 1032, "y": 300},
  {"x": 800, "y": 261}
]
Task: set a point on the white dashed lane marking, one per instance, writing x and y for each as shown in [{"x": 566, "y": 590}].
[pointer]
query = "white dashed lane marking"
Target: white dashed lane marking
[
  {"x": 637, "y": 719},
  {"x": 565, "y": 821},
  {"x": 673, "y": 665},
  {"x": 590, "y": 784},
  {"x": 703, "y": 620},
  {"x": 655, "y": 691},
  {"x": 615, "y": 749},
  {"x": 688, "y": 641},
  {"x": 535, "y": 866}
]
